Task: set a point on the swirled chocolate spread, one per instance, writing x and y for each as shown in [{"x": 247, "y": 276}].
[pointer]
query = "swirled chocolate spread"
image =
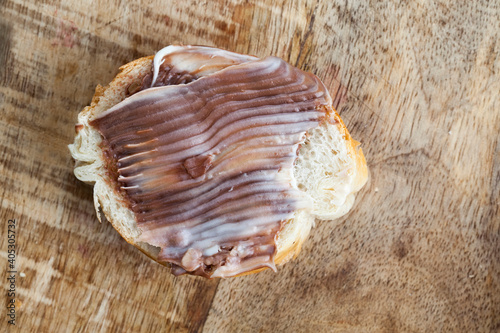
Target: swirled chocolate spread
[{"x": 204, "y": 149}]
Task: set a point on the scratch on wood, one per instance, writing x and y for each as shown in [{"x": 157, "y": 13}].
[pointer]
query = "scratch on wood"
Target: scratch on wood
[
  {"x": 5, "y": 43},
  {"x": 309, "y": 31}
]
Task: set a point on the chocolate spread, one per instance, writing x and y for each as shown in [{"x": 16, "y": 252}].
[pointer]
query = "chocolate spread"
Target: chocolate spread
[{"x": 204, "y": 149}]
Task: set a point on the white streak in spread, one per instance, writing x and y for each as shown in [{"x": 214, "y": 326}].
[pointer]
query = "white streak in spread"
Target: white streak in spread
[
  {"x": 158, "y": 59},
  {"x": 205, "y": 54}
]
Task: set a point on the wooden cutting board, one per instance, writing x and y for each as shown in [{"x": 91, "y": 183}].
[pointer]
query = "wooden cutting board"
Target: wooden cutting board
[{"x": 416, "y": 82}]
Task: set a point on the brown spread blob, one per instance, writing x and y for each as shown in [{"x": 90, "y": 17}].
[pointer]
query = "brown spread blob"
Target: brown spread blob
[{"x": 206, "y": 158}]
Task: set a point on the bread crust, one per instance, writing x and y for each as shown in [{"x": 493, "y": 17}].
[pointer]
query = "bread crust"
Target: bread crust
[{"x": 90, "y": 168}]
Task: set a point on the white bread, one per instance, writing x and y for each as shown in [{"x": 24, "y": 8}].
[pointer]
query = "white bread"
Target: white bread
[{"x": 330, "y": 168}]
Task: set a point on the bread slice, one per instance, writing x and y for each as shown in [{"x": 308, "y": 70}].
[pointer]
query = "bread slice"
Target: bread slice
[{"x": 330, "y": 169}]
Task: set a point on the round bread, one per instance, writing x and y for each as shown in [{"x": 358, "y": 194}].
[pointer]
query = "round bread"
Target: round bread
[{"x": 330, "y": 168}]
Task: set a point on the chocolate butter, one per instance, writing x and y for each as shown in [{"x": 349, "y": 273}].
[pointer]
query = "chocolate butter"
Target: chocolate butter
[{"x": 204, "y": 149}]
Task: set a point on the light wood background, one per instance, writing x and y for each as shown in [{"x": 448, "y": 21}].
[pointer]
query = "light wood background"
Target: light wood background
[{"x": 417, "y": 82}]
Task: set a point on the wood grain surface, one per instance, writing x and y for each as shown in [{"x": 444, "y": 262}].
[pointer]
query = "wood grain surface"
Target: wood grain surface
[{"x": 416, "y": 82}]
